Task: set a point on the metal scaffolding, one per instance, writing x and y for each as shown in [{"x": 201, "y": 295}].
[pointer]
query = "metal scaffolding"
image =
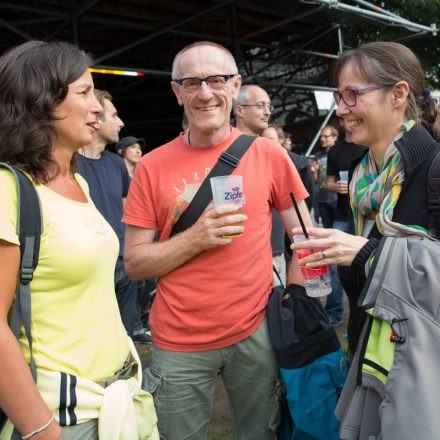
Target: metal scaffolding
[{"x": 285, "y": 46}]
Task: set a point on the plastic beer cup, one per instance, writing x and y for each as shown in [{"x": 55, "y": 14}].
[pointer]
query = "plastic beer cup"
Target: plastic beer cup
[
  {"x": 343, "y": 176},
  {"x": 317, "y": 280},
  {"x": 228, "y": 189}
]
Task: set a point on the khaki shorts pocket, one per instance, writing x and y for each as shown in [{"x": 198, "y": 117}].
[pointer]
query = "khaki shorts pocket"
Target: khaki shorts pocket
[
  {"x": 150, "y": 382},
  {"x": 154, "y": 384},
  {"x": 274, "y": 407}
]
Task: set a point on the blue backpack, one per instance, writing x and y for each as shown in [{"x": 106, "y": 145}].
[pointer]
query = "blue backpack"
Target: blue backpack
[{"x": 309, "y": 357}]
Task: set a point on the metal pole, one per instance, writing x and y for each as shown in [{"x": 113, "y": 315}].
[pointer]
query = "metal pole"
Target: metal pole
[
  {"x": 74, "y": 16},
  {"x": 340, "y": 40},
  {"x": 38, "y": 11},
  {"x": 162, "y": 31},
  {"x": 410, "y": 37},
  {"x": 319, "y": 54},
  {"x": 324, "y": 123},
  {"x": 36, "y": 20},
  {"x": 392, "y": 19},
  {"x": 14, "y": 29},
  {"x": 291, "y": 52},
  {"x": 296, "y": 86},
  {"x": 238, "y": 53},
  {"x": 281, "y": 23},
  {"x": 74, "y": 22},
  {"x": 196, "y": 35},
  {"x": 376, "y": 8}
]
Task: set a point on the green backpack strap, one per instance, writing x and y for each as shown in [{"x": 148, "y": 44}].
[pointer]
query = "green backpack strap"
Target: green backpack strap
[{"x": 29, "y": 229}]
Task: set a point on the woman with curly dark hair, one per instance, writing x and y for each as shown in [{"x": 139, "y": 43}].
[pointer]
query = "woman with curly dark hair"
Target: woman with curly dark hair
[{"x": 82, "y": 353}]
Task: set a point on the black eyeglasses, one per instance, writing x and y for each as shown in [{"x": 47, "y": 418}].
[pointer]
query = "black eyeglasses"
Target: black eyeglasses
[
  {"x": 259, "y": 105},
  {"x": 348, "y": 96},
  {"x": 214, "y": 82}
]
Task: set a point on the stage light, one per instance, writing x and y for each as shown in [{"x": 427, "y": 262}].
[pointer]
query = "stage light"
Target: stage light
[{"x": 115, "y": 72}]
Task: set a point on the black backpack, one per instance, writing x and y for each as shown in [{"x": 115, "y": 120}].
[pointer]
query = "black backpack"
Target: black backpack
[
  {"x": 29, "y": 229},
  {"x": 434, "y": 197}
]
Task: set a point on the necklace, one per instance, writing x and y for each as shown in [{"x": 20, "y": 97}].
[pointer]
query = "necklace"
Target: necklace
[{"x": 189, "y": 134}]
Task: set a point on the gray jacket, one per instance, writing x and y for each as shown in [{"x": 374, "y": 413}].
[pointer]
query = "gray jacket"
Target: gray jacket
[{"x": 403, "y": 284}]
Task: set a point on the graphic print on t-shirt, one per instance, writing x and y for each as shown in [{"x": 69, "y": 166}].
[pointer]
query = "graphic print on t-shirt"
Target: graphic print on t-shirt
[{"x": 185, "y": 192}]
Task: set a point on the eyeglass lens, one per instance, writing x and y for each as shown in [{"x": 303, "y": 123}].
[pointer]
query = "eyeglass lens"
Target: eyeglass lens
[
  {"x": 259, "y": 106},
  {"x": 262, "y": 106},
  {"x": 214, "y": 82},
  {"x": 348, "y": 96}
]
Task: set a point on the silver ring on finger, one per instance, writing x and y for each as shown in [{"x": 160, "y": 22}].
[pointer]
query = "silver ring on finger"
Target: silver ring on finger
[{"x": 323, "y": 255}]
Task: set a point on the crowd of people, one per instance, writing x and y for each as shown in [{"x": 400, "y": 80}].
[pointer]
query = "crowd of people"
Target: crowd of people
[{"x": 107, "y": 234}]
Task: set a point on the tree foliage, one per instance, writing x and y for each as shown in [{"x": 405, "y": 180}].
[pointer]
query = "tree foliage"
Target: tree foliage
[{"x": 427, "y": 47}]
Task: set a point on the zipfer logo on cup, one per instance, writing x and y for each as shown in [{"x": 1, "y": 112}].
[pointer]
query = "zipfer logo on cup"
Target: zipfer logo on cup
[{"x": 237, "y": 194}]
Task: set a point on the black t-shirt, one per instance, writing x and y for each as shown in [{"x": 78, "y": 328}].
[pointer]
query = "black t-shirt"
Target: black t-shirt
[
  {"x": 277, "y": 233},
  {"x": 339, "y": 158},
  {"x": 108, "y": 182},
  {"x": 302, "y": 165}
]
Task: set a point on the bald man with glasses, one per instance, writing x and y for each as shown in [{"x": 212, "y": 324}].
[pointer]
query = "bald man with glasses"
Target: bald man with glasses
[
  {"x": 252, "y": 110},
  {"x": 208, "y": 316}
]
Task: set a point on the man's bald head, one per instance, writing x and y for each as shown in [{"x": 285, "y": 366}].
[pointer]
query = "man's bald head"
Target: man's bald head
[{"x": 252, "y": 109}]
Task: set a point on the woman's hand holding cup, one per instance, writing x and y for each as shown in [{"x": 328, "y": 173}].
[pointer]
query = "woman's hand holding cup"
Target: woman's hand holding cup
[{"x": 337, "y": 247}]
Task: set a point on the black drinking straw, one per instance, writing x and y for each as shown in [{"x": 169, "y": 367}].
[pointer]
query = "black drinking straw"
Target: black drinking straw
[{"x": 299, "y": 216}]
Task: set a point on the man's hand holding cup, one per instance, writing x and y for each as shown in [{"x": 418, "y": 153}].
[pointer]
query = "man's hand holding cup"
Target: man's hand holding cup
[{"x": 228, "y": 190}]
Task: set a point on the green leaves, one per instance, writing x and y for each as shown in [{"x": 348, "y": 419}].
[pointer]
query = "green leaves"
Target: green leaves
[{"x": 427, "y": 47}]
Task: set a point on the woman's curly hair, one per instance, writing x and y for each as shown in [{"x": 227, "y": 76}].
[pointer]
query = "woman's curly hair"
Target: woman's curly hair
[{"x": 34, "y": 80}]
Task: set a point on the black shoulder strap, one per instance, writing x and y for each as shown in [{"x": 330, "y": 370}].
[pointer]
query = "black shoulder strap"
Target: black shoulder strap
[
  {"x": 29, "y": 229},
  {"x": 434, "y": 197},
  {"x": 227, "y": 162}
]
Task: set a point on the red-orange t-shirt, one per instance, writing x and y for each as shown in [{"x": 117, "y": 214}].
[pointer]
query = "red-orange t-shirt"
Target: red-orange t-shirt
[{"x": 219, "y": 297}]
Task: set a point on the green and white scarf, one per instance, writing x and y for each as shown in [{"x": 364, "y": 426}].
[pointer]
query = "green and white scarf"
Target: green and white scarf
[{"x": 376, "y": 190}]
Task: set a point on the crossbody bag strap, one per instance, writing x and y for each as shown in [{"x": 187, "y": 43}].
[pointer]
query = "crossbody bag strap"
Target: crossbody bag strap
[
  {"x": 226, "y": 164},
  {"x": 434, "y": 197},
  {"x": 277, "y": 275}
]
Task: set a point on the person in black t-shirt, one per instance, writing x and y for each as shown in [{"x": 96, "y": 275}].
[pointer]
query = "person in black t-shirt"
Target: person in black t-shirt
[
  {"x": 339, "y": 159},
  {"x": 108, "y": 179},
  {"x": 326, "y": 205}
]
